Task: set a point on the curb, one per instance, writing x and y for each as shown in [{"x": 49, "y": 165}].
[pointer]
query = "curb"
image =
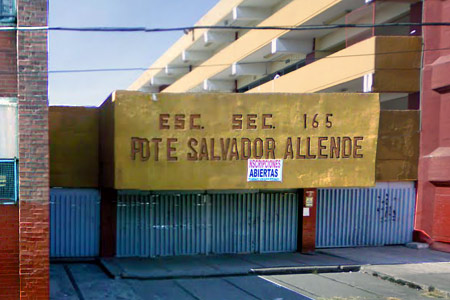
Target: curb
[
  {"x": 114, "y": 271},
  {"x": 110, "y": 268},
  {"x": 180, "y": 276},
  {"x": 408, "y": 283},
  {"x": 306, "y": 270}
]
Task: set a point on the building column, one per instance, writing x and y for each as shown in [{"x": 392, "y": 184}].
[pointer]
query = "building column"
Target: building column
[
  {"x": 108, "y": 222},
  {"x": 33, "y": 151},
  {"x": 307, "y": 221},
  {"x": 433, "y": 201}
]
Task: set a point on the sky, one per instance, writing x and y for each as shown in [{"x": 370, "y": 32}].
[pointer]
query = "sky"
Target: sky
[{"x": 82, "y": 50}]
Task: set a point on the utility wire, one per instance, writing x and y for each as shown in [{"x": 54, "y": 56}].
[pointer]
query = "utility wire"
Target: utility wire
[
  {"x": 226, "y": 64},
  {"x": 62, "y": 71},
  {"x": 187, "y": 29}
]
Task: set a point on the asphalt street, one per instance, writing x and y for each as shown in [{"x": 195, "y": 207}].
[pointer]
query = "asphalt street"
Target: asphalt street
[{"x": 88, "y": 281}]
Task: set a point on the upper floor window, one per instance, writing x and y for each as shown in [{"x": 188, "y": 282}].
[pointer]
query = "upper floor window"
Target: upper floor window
[
  {"x": 7, "y": 11},
  {"x": 8, "y": 128}
]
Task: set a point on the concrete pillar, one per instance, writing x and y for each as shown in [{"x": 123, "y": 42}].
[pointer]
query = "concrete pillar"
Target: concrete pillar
[
  {"x": 307, "y": 221},
  {"x": 433, "y": 202},
  {"x": 33, "y": 150},
  {"x": 108, "y": 222}
]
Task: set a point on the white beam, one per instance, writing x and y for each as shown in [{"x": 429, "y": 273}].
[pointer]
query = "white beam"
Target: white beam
[
  {"x": 195, "y": 56},
  {"x": 158, "y": 81},
  {"x": 291, "y": 46},
  {"x": 176, "y": 70},
  {"x": 218, "y": 37},
  {"x": 368, "y": 83},
  {"x": 212, "y": 85},
  {"x": 248, "y": 69},
  {"x": 249, "y": 14}
]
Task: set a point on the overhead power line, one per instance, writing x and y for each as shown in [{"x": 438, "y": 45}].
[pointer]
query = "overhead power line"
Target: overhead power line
[
  {"x": 227, "y": 64},
  {"x": 220, "y": 27},
  {"x": 93, "y": 70}
]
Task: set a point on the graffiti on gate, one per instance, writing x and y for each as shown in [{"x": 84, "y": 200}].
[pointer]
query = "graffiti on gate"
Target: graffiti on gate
[{"x": 386, "y": 208}]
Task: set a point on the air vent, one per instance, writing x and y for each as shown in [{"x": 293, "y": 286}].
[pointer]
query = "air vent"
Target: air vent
[{"x": 8, "y": 181}]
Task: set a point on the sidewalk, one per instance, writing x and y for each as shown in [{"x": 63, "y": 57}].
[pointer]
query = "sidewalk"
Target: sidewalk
[
  {"x": 387, "y": 255},
  {"x": 224, "y": 265},
  {"x": 431, "y": 277},
  {"x": 423, "y": 269},
  {"x": 394, "y": 272},
  {"x": 323, "y": 260}
]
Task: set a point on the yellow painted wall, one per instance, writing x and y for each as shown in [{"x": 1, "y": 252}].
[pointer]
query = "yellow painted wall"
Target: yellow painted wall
[
  {"x": 394, "y": 60},
  {"x": 398, "y": 146},
  {"x": 106, "y": 143},
  {"x": 177, "y": 163},
  {"x": 397, "y": 64},
  {"x": 74, "y": 136},
  {"x": 342, "y": 66},
  {"x": 74, "y": 144}
]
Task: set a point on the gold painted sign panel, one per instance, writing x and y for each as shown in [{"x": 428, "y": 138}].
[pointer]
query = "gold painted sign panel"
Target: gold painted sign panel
[{"x": 203, "y": 141}]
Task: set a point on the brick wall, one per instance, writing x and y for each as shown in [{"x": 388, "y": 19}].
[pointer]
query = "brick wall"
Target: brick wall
[
  {"x": 9, "y": 252},
  {"x": 9, "y": 214},
  {"x": 433, "y": 199},
  {"x": 33, "y": 151}
]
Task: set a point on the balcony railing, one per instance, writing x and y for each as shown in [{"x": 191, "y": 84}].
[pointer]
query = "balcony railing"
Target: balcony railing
[{"x": 378, "y": 13}]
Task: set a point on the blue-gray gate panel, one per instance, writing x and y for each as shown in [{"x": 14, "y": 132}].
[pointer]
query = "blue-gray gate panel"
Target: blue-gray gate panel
[
  {"x": 279, "y": 222},
  {"x": 382, "y": 215},
  {"x": 157, "y": 224},
  {"x": 235, "y": 223},
  {"x": 74, "y": 222},
  {"x": 150, "y": 224}
]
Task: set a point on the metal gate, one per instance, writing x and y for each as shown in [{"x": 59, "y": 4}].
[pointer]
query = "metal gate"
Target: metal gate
[
  {"x": 74, "y": 222},
  {"x": 382, "y": 215},
  {"x": 162, "y": 224}
]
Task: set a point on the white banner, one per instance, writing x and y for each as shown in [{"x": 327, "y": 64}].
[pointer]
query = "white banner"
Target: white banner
[{"x": 265, "y": 170}]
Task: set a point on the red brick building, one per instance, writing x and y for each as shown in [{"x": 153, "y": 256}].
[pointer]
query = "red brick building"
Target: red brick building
[
  {"x": 433, "y": 207},
  {"x": 24, "y": 226}
]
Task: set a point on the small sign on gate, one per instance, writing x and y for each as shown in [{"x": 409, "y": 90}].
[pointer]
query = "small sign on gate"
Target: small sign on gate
[{"x": 265, "y": 170}]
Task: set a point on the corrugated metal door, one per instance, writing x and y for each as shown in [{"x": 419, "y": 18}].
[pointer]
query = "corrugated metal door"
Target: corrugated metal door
[
  {"x": 74, "y": 222},
  {"x": 153, "y": 224},
  {"x": 279, "y": 222},
  {"x": 382, "y": 215},
  {"x": 150, "y": 224},
  {"x": 235, "y": 220}
]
